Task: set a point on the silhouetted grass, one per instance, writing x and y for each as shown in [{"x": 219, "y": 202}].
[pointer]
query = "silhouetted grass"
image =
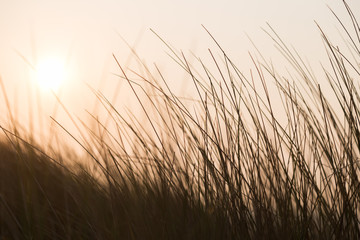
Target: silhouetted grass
[{"x": 233, "y": 164}]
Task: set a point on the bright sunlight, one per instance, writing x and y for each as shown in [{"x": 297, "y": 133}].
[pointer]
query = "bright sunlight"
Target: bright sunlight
[{"x": 50, "y": 73}]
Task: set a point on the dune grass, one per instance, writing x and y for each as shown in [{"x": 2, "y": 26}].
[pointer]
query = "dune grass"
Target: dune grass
[{"x": 230, "y": 165}]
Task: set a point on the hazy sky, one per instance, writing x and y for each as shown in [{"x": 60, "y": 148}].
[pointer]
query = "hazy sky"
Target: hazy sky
[{"x": 85, "y": 33}]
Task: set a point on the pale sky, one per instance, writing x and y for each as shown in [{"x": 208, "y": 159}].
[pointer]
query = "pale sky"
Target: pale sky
[{"x": 84, "y": 33}]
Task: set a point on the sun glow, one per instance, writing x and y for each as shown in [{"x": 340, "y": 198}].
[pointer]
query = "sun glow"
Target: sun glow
[{"x": 50, "y": 74}]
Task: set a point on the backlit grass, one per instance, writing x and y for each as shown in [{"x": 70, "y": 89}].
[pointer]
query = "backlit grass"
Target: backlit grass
[{"x": 232, "y": 163}]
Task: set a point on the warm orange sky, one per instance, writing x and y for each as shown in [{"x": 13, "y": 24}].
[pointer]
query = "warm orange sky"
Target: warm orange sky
[{"x": 83, "y": 34}]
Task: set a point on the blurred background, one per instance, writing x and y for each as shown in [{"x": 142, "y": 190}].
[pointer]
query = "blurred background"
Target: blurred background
[{"x": 76, "y": 40}]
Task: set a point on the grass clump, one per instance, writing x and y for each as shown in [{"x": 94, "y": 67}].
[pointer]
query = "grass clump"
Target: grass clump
[{"x": 233, "y": 165}]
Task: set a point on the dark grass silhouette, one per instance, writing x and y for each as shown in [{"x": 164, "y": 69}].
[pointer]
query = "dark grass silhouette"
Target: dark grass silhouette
[
  {"x": 236, "y": 167},
  {"x": 42, "y": 200}
]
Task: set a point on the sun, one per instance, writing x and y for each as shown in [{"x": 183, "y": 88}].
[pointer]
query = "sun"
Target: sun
[{"x": 50, "y": 74}]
